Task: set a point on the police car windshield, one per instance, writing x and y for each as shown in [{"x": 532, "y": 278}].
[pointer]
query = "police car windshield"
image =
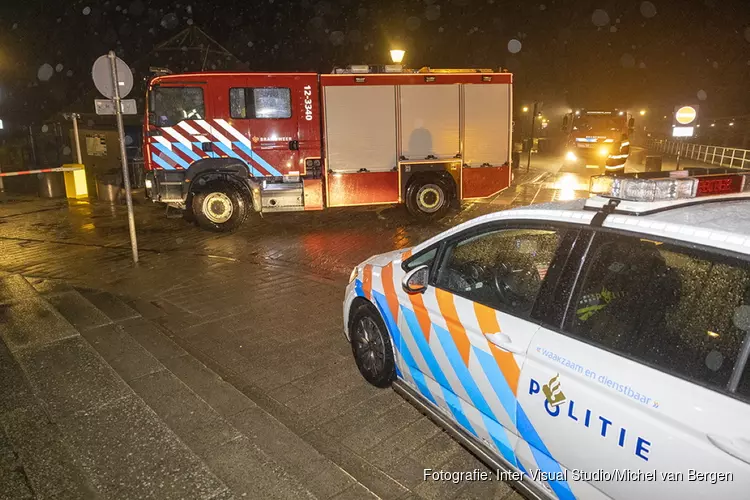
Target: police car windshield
[{"x": 170, "y": 105}]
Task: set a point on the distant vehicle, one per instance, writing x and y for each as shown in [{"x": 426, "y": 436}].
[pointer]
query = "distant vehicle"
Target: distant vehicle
[
  {"x": 598, "y": 138},
  {"x": 220, "y": 145},
  {"x": 589, "y": 349}
]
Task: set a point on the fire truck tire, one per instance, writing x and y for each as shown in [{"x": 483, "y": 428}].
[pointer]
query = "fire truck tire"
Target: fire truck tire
[
  {"x": 428, "y": 198},
  {"x": 371, "y": 346},
  {"x": 220, "y": 206}
]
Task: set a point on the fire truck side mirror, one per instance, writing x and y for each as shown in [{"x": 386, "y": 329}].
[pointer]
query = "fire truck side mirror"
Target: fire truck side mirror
[
  {"x": 631, "y": 125},
  {"x": 565, "y": 124}
]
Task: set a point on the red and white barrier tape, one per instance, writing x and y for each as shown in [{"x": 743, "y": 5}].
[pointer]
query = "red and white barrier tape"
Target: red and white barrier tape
[{"x": 40, "y": 171}]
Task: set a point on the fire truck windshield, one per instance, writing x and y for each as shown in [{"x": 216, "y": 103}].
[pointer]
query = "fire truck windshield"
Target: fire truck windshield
[
  {"x": 598, "y": 124},
  {"x": 170, "y": 105}
]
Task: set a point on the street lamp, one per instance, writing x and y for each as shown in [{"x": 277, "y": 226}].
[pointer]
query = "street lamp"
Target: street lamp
[
  {"x": 525, "y": 109},
  {"x": 642, "y": 112},
  {"x": 397, "y": 55}
]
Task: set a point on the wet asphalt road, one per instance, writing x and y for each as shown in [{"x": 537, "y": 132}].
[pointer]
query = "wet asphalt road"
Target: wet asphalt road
[{"x": 328, "y": 242}]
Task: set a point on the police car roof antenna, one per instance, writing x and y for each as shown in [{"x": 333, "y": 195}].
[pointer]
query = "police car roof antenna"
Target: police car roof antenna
[{"x": 602, "y": 214}]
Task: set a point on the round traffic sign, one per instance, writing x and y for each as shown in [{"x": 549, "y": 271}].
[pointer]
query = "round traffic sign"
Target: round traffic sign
[
  {"x": 685, "y": 115},
  {"x": 102, "y": 75}
]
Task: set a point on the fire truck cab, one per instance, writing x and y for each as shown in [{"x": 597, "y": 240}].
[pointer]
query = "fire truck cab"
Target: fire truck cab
[
  {"x": 598, "y": 138},
  {"x": 220, "y": 145}
]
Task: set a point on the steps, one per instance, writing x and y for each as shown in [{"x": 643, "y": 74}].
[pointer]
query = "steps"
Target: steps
[{"x": 97, "y": 401}]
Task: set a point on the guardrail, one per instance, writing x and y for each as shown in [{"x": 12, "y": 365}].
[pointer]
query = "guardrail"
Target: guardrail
[{"x": 713, "y": 155}]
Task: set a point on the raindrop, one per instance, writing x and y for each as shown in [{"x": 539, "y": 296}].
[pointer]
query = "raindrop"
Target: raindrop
[
  {"x": 600, "y": 17},
  {"x": 441, "y": 29},
  {"x": 45, "y": 128},
  {"x": 413, "y": 23},
  {"x": 69, "y": 73},
  {"x": 86, "y": 11},
  {"x": 128, "y": 139},
  {"x": 648, "y": 9},
  {"x": 362, "y": 13},
  {"x": 249, "y": 44},
  {"x": 90, "y": 123},
  {"x": 337, "y": 37},
  {"x": 15, "y": 26},
  {"x": 170, "y": 21},
  {"x": 190, "y": 22},
  {"x": 177, "y": 240},
  {"x": 542, "y": 7},
  {"x": 714, "y": 360},
  {"x": 188, "y": 9},
  {"x": 118, "y": 8},
  {"x": 45, "y": 72},
  {"x": 702, "y": 95},
  {"x": 59, "y": 68},
  {"x": 66, "y": 151},
  {"x": 59, "y": 20},
  {"x": 642, "y": 65},
  {"x": 432, "y": 12},
  {"x": 514, "y": 46},
  {"x": 613, "y": 29},
  {"x": 715, "y": 64},
  {"x": 627, "y": 61}
]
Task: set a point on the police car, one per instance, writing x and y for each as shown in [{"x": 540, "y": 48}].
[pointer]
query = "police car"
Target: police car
[{"x": 588, "y": 349}]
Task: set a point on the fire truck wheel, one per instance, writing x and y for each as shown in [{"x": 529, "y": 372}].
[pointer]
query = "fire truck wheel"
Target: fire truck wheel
[
  {"x": 220, "y": 206},
  {"x": 371, "y": 346},
  {"x": 428, "y": 198}
]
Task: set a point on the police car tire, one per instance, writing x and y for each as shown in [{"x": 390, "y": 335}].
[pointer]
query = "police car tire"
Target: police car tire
[
  {"x": 240, "y": 206},
  {"x": 384, "y": 375},
  {"x": 412, "y": 192}
]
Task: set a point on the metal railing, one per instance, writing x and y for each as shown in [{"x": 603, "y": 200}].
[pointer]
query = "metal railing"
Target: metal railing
[{"x": 713, "y": 155}]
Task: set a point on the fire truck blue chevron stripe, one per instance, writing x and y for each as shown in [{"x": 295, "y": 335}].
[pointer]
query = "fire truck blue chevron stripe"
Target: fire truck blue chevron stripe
[
  {"x": 175, "y": 158},
  {"x": 188, "y": 151},
  {"x": 157, "y": 159},
  {"x": 382, "y": 305},
  {"x": 498, "y": 382},
  {"x": 496, "y": 431},
  {"x": 210, "y": 154},
  {"x": 451, "y": 399},
  {"x": 263, "y": 163},
  {"x": 233, "y": 154},
  {"x": 542, "y": 456}
]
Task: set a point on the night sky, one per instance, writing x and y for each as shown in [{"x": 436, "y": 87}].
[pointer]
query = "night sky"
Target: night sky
[{"x": 592, "y": 53}]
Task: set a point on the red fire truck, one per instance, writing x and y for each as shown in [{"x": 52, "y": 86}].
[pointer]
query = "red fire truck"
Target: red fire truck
[{"x": 220, "y": 145}]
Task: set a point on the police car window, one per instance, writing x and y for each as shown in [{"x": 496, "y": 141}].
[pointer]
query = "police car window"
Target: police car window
[
  {"x": 171, "y": 105},
  {"x": 424, "y": 259},
  {"x": 266, "y": 102},
  {"x": 669, "y": 307},
  {"x": 502, "y": 269}
]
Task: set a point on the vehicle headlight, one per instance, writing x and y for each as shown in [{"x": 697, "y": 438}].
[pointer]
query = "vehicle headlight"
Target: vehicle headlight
[
  {"x": 604, "y": 151},
  {"x": 570, "y": 156},
  {"x": 149, "y": 184},
  {"x": 355, "y": 273}
]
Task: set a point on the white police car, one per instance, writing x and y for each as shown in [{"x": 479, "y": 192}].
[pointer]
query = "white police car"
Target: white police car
[{"x": 597, "y": 348}]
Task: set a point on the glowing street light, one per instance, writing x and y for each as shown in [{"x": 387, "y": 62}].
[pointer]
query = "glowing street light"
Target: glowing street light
[
  {"x": 642, "y": 112},
  {"x": 525, "y": 109},
  {"x": 731, "y": 124},
  {"x": 397, "y": 55}
]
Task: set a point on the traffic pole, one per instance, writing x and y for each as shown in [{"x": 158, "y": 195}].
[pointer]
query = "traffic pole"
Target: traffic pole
[
  {"x": 123, "y": 155},
  {"x": 79, "y": 159},
  {"x": 531, "y": 140}
]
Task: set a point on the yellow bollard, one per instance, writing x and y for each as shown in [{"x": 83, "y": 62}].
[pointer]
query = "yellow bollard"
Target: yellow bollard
[{"x": 75, "y": 182}]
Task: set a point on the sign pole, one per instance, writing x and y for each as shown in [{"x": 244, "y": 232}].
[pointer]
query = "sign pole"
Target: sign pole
[
  {"x": 531, "y": 139},
  {"x": 79, "y": 159},
  {"x": 123, "y": 156}
]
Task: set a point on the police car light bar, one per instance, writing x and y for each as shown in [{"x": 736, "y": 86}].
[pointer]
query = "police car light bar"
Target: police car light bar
[{"x": 677, "y": 186}]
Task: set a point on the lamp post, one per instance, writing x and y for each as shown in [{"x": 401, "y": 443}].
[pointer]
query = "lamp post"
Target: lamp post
[{"x": 531, "y": 140}]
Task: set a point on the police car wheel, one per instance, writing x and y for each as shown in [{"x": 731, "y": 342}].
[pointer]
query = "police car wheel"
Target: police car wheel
[
  {"x": 371, "y": 346},
  {"x": 428, "y": 198},
  {"x": 220, "y": 206}
]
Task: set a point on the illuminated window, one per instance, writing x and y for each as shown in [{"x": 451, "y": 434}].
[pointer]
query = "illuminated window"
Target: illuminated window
[{"x": 261, "y": 103}]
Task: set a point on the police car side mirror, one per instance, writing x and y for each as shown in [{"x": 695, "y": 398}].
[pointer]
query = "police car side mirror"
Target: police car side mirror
[{"x": 415, "y": 281}]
